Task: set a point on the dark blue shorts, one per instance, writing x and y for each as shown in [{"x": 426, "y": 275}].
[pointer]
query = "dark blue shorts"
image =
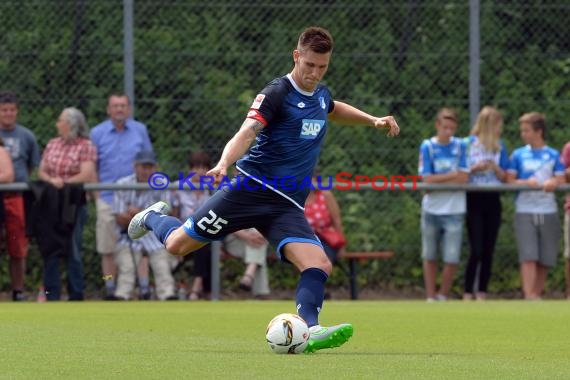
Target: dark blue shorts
[{"x": 233, "y": 209}]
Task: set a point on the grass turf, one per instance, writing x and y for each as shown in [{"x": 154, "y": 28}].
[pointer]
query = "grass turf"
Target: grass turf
[{"x": 392, "y": 340}]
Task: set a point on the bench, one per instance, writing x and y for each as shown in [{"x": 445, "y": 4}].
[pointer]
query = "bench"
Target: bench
[{"x": 354, "y": 258}]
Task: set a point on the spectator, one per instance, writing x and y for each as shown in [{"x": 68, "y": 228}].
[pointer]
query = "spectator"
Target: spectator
[
  {"x": 252, "y": 247},
  {"x": 323, "y": 214},
  {"x": 488, "y": 161},
  {"x": 143, "y": 278},
  {"x": 127, "y": 204},
  {"x": 536, "y": 224},
  {"x": 442, "y": 160},
  {"x": 6, "y": 167},
  {"x": 118, "y": 139},
  {"x": 565, "y": 158},
  {"x": 68, "y": 159},
  {"x": 6, "y": 175},
  {"x": 21, "y": 144},
  {"x": 188, "y": 202}
]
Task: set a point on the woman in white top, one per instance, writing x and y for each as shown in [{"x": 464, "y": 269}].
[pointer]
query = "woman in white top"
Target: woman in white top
[{"x": 488, "y": 161}]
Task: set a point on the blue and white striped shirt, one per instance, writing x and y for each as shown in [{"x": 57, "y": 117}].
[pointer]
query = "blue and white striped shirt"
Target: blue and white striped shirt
[{"x": 124, "y": 199}]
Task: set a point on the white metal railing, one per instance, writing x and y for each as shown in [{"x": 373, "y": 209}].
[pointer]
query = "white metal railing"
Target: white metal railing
[{"x": 217, "y": 245}]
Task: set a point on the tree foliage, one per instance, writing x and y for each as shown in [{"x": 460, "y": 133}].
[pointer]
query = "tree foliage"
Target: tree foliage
[{"x": 198, "y": 66}]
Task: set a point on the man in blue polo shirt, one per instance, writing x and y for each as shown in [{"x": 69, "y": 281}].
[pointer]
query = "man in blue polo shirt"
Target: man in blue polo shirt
[{"x": 118, "y": 139}]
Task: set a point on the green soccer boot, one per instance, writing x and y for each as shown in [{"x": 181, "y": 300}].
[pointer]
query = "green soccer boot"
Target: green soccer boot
[{"x": 329, "y": 337}]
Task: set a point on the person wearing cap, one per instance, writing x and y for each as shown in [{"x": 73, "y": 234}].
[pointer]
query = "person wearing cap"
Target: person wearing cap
[
  {"x": 130, "y": 254},
  {"x": 68, "y": 159},
  {"x": 118, "y": 139}
]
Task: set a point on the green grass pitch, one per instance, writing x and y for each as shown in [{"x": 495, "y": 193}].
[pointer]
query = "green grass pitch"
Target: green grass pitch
[{"x": 219, "y": 340}]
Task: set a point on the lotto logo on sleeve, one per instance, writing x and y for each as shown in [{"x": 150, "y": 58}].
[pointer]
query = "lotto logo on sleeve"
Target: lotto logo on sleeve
[
  {"x": 311, "y": 128},
  {"x": 257, "y": 101}
]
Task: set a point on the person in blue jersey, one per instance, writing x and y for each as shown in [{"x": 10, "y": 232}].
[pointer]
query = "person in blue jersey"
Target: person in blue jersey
[
  {"x": 287, "y": 121},
  {"x": 536, "y": 224},
  {"x": 488, "y": 161},
  {"x": 565, "y": 158},
  {"x": 442, "y": 160}
]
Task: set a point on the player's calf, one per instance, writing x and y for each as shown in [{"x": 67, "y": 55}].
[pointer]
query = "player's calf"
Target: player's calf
[{"x": 178, "y": 243}]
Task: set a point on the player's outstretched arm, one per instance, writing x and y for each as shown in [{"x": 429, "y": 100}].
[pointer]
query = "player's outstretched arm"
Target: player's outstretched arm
[
  {"x": 236, "y": 147},
  {"x": 344, "y": 113}
]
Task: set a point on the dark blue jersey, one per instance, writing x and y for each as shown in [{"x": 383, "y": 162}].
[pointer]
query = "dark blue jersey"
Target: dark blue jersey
[{"x": 287, "y": 149}]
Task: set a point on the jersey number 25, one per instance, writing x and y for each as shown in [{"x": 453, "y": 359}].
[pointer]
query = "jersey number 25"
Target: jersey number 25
[{"x": 213, "y": 221}]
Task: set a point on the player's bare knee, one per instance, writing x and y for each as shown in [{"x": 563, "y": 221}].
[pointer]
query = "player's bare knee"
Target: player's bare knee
[
  {"x": 330, "y": 268},
  {"x": 175, "y": 246},
  {"x": 326, "y": 266}
]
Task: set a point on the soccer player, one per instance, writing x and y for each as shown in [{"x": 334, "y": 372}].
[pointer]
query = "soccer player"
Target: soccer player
[{"x": 288, "y": 122}]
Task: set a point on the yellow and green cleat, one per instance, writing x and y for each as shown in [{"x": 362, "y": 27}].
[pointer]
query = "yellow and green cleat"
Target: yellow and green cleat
[{"x": 329, "y": 337}]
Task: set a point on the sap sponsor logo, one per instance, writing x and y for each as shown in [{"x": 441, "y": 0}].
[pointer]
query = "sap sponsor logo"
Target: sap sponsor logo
[
  {"x": 257, "y": 101},
  {"x": 311, "y": 128},
  {"x": 444, "y": 165}
]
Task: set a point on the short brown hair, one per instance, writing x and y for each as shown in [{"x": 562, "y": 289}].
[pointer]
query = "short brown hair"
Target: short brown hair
[
  {"x": 119, "y": 95},
  {"x": 536, "y": 120},
  {"x": 447, "y": 114},
  {"x": 316, "y": 39},
  {"x": 8, "y": 97}
]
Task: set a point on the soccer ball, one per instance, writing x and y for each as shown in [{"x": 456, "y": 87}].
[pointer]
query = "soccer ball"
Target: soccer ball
[{"x": 287, "y": 334}]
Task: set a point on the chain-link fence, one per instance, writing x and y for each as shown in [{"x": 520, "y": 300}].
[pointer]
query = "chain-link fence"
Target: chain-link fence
[{"x": 198, "y": 65}]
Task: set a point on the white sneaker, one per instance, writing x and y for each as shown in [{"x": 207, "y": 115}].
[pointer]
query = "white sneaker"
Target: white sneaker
[
  {"x": 437, "y": 298},
  {"x": 137, "y": 228}
]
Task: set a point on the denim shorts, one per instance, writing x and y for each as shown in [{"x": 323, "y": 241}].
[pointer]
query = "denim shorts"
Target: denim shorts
[{"x": 443, "y": 232}]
